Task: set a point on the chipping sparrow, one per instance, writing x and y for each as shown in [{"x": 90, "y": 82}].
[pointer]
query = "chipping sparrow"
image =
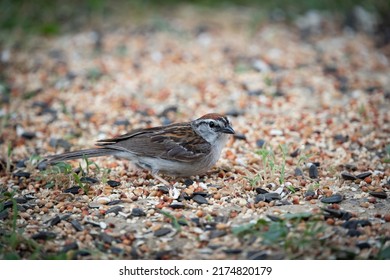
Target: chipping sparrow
[{"x": 180, "y": 149}]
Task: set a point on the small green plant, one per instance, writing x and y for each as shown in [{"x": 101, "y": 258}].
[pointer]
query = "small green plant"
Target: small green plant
[
  {"x": 387, "y": 156},
  {"x": 271, "y": 163},
  {"x": 283, "y": 148},
  {"x": 9, "y": 153},
  {"x": 105, "y": 173},
  {"x": 175, "y": 222},
  {"x": 294, "y": 233},
  {"x": 253, "y": 181}
]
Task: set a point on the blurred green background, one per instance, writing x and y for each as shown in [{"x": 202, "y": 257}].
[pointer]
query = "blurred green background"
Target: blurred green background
[{"x": 51, "y": 17}]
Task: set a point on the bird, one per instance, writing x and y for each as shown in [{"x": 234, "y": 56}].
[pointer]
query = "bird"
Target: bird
[{"x": 180, "y": 149}]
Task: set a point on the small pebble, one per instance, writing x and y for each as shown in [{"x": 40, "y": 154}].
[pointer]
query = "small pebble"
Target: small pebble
[
  {"x": 177, "y": 205},
  {"x": 200, "y": 199},
  {"x": 162, "y": 231},
  {"x": 113, "y": 184},
  {"x": 73, "y": 190},
  {"x": 76, "y": 224},
  {"x": 22, "y": 174},
  {"x": 164, "y": 189},
  {"x": 138, "y": 212},
  {"x": 44, "y": 235},
  {"x": 381, "y": 195},
  {"x": 260, "y": 143},
  {"x": 114, "y": 210},
  {"x": 336, "y": 198},
  {"x": 188, "y": 182},
  {"x": 313, "y": 171},
  {"x": 348, "y": 176},
  {"x": 364, "y": 175},
  {"x": 298, "y": 172}
]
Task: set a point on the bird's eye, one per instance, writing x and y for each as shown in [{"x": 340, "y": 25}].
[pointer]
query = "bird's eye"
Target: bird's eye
[{"x": 211, "y": 124}]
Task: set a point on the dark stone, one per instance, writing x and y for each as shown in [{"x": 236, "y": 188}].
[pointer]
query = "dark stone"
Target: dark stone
[
  {"x": 70, "y": 247},
  {"x": 114, "y": 210},
  {"x": 28, "y": 135},
  {"x": 233, "y": 251},
  {"x": 298, "y": 172},
  {"x": 57, "y": 142},
  {"x": 162, "y": 231},
  {"x": 260, "y": 143},
  {"x": 81, "y": 253},
  {"x": 54, "y": 221},
  {"x": 340, "y": 214},
  {"x": 348, "y": 176},
  {"x": 336, "y": 198},
  {"x": 353, "y": 224},
  {"x": 113, "y": 184},
  {"x": 76, "y": 225},
  {"x": 340, "y": 139},
  {"x": 21, "y": 164},
  {"x": 44, "y": 235},
  {"x": 116, "y": 250},
  {"x": 163, "y": 189},
  {"x": 188, "y": 182},
  {"x": 200, "y": 199},
  {"x": 313, "y": 171},
  {"x": 89, "y": 180},
  {"x": 114, "y": 202},
  {"x": 257, "y": 255},
  {"x": 22, "y": 174},
  {"x": 138, "y": 212},
  {"x": 7, "y": 204},
  {"x": 20, "y": 200},
  {"x": 295, "y": 153},
  {"x": 381, "y": 195},
  {"x": 363, "y": 245},
  {"x": 255, "y": 92},
  {"x": 177, "y": 205},
  {"x": 364, "y": 175},
  {"x": 310, "y": 193},
  {"x": 164, "y": 255},
  {"x": 73, "y": 190},
  {"x": 239, "y": 136},
  {"x": 267, "y": 197},
  {"x": 4, "y": 214},
  {"x": 204, "y": 194},
  {"x": 182, "y": 222},
  {"x": 122, "y": 122},
  {"x": 274, "y": 218},
  {"x": 217, "y": 233},
  {"x": 354, "y": 233},
  {"x": 261, "y": 191},
  {"x": 106, "y": 238},
  {"x": 42, "y": 165}
]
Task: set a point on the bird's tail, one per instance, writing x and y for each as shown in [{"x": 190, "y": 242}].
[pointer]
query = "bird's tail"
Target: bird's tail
[{"x": 88, "y": 153}]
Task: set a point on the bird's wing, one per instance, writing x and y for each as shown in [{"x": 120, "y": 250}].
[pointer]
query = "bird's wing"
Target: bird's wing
[{"x": 169, "y": 142}]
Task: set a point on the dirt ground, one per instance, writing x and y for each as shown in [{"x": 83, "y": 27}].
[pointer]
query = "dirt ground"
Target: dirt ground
[{"x": 306, "y": 176}]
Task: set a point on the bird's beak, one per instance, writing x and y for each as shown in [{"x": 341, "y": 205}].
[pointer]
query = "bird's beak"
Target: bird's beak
[{"x": 228, "y": 130}]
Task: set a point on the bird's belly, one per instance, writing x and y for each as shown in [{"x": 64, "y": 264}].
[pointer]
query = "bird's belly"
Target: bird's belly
[{"x": 177, "y": 168}]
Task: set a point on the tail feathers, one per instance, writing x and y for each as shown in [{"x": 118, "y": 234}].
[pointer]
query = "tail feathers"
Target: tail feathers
[{"x": 88, "y": 153}]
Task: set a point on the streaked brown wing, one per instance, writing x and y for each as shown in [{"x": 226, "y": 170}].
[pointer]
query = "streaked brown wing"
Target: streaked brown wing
[{"x": 173, "y": 141}]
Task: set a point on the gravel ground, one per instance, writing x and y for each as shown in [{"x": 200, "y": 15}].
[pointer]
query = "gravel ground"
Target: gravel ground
[{"x": 306, "y": 176}]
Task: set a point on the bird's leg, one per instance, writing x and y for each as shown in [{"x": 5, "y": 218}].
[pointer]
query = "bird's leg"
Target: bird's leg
[
  {"x": 173, "y": 192},
  {"x": 162, "y": 180}
]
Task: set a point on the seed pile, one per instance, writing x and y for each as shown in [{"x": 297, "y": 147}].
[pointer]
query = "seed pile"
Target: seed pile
[{"x": 306, "y": 176}]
